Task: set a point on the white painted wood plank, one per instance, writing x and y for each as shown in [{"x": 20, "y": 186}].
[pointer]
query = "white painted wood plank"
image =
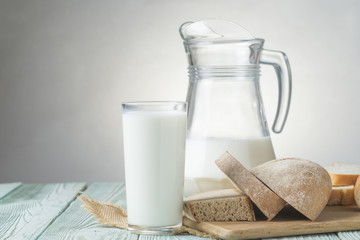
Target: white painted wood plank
[
  {"x": 6, "y": 188},
  {"x": 28, "y": 210},
  {"x": 325, "y": 236},
  {"x": 172, "y": 237},
  {"x": 350, "y": 235},
  {"x": 191, "y": 237},
  {"x": 77, "y": 223}
]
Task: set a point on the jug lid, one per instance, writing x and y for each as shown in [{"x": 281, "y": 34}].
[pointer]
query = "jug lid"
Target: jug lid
[{"x": 214, "y": 31}]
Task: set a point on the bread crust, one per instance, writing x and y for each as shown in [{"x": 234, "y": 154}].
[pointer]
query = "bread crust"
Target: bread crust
[
  {"x": 343, "y": 179},
  {"x": 357, "y": 191},
  {"x": 303, "y": 184},
  {"x": 266, "y": 200},
  {"x": 343, "y": 174}
]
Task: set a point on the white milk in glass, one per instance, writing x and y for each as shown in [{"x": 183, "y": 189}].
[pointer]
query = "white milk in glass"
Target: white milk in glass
[
  {"x": 154, "y": 151},
  {"x": 201, "y": 172}
]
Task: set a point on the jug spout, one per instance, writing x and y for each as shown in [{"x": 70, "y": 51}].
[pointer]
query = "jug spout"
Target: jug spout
[
  {"x": 214, "y": 30},
  {"x": 214, "y": 42}
]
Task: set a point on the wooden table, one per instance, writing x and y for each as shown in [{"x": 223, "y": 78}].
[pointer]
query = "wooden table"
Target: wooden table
[{"x": 51, "y": 211}]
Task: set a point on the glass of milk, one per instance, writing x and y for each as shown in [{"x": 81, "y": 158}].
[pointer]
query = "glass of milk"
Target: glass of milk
[{"x": 154, "y": 135}]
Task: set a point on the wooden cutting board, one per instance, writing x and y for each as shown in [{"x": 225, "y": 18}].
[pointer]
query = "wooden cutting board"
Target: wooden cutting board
[{"x": 287, "y": 223}]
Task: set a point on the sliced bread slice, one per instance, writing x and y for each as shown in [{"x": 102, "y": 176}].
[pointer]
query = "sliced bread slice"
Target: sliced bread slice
[
  {"x": 305, "y": 185},
  {"x": 357, "y": 191},
  {"x": 343, "y": 174},
  {"x": 342, "y": 195},
  {"x": 267, "y": 201},
  {"x": 219, "y": 205}
]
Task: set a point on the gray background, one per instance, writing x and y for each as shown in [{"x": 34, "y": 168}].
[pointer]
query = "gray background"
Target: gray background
[{"x": 66, "y": 66}]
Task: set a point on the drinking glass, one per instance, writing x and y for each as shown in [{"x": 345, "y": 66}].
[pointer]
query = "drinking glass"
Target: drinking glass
[{"x": 154, "y": 135}]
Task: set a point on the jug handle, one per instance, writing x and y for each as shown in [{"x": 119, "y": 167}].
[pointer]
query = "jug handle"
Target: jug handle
[{"x": 281, "y": 64}]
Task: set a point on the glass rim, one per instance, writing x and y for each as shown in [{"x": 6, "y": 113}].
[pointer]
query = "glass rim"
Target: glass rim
[
  {"x": 153, "y": 103},
  {"x": 150, "y": 106}
]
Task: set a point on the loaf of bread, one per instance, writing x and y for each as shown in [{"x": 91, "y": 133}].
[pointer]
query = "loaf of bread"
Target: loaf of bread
[
  {"x": 219, "y": 205},
  {"x": 343, "y": 174},
  {"x": 303, "y": 184},
  {"x": 342, "y": 195},
  {"x": 357, "y": 191},
  {"x": 267, "y": 201}
]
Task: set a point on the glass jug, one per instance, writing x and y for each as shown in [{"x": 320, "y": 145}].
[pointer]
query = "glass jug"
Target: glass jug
[{"x": 225, "y": 109}]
